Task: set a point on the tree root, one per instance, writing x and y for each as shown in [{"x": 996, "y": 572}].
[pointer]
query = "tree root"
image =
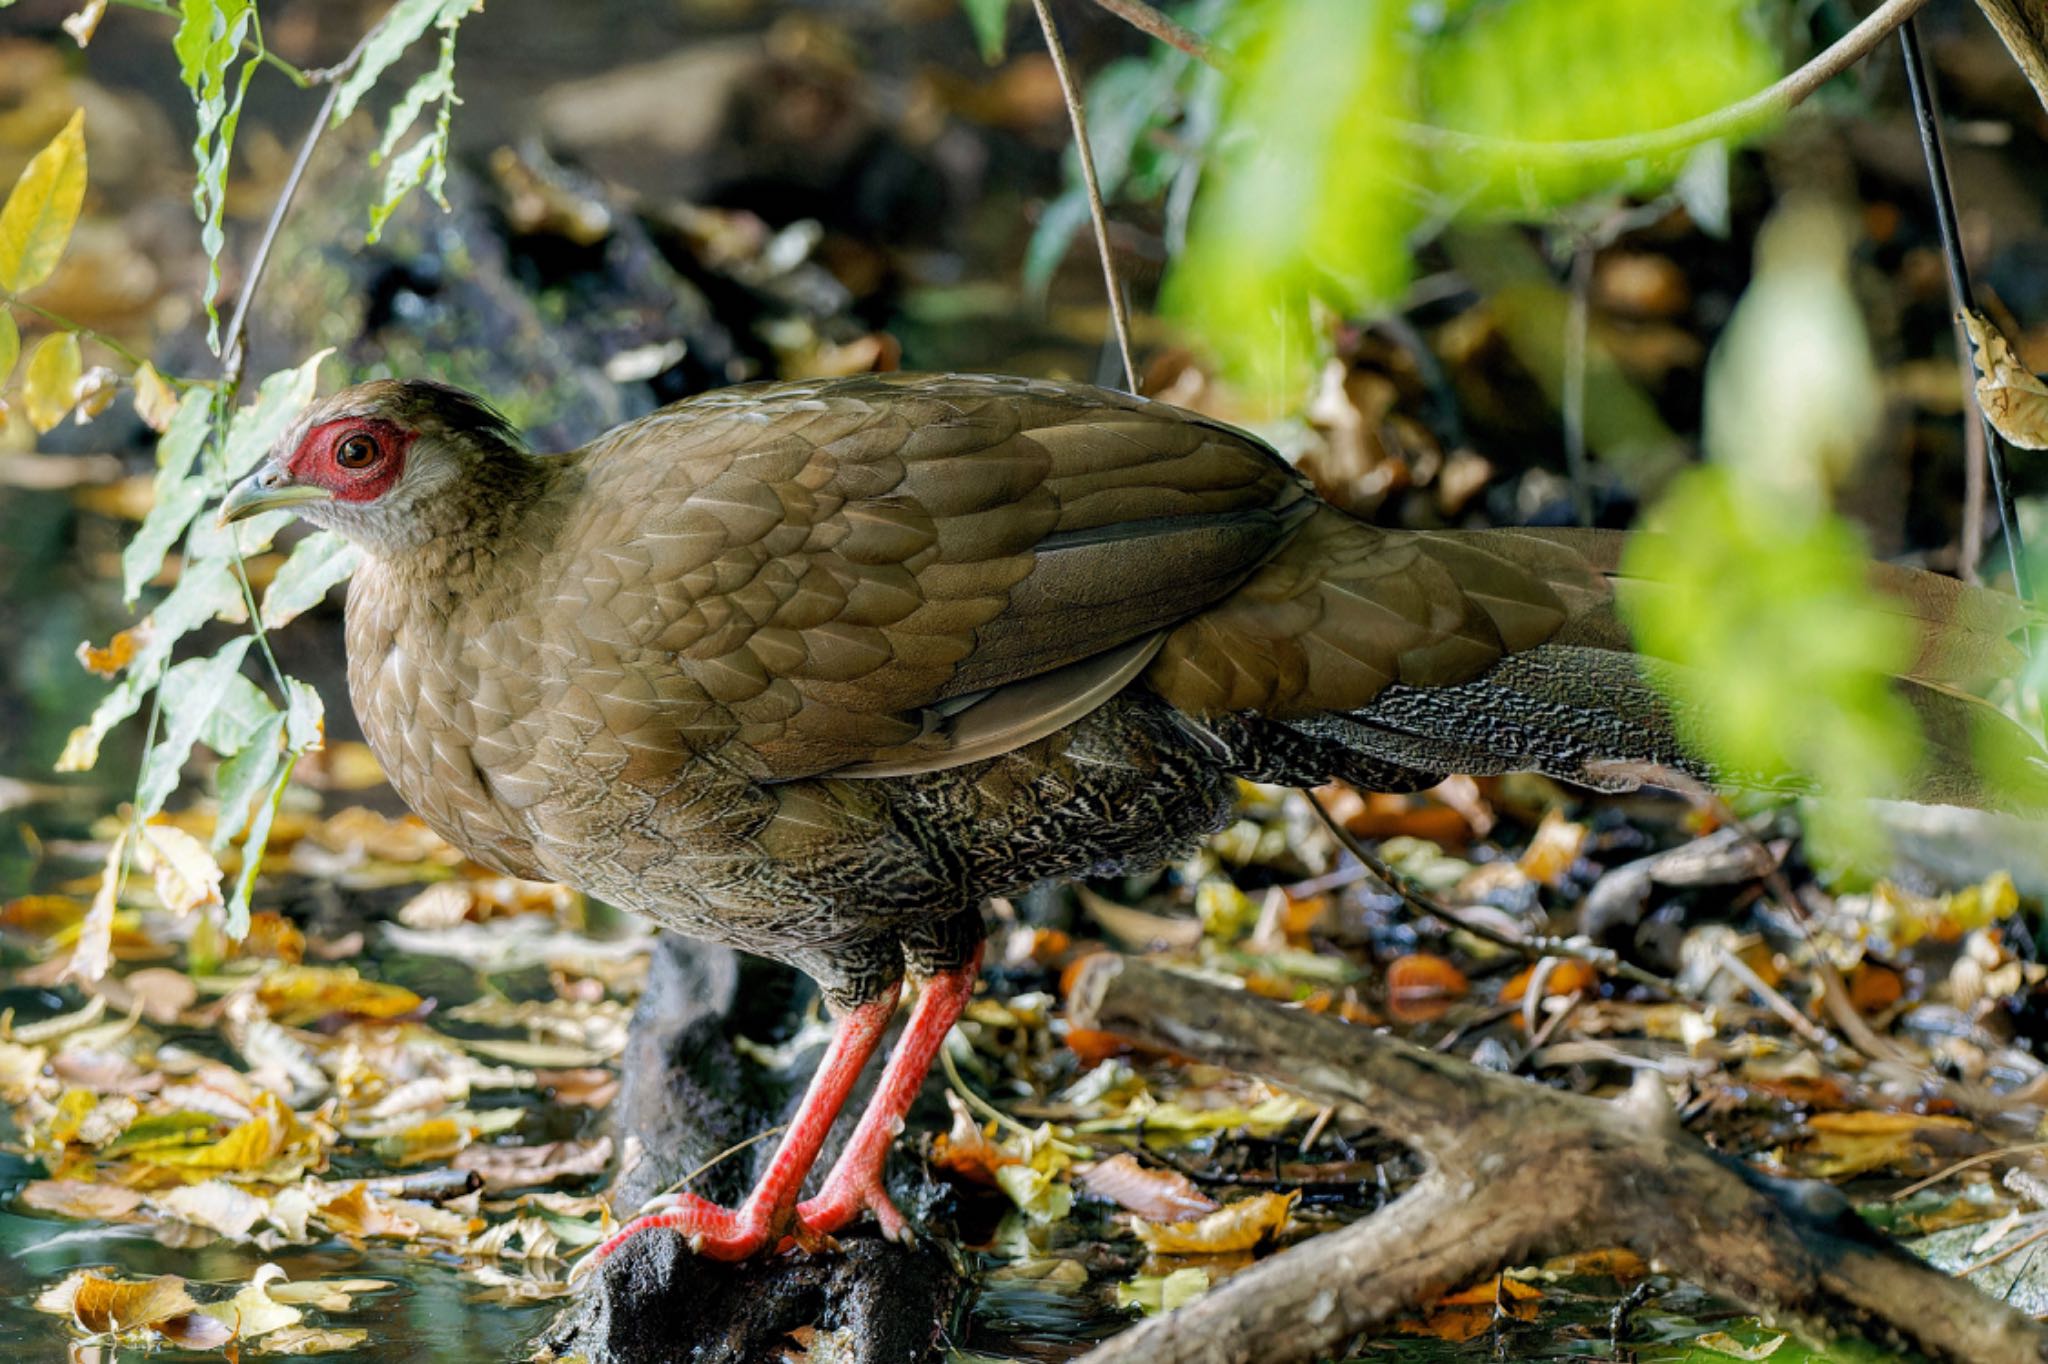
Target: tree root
[{"x": 1519, "y": 1173}]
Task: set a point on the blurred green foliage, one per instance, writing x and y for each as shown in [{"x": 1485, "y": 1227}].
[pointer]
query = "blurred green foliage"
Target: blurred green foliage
[
  {"x": 1747, "y": 579},
  {"x": 1351, "y": 130}
]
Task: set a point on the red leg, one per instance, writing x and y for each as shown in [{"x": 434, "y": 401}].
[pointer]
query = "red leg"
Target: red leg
[
  {"x": 721, "y": 1234},
  {"x": 856, "y": 1180}
]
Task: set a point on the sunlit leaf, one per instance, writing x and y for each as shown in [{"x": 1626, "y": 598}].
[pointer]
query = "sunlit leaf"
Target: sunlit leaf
[
  {"x": 36, "y": 221},
  {"x": 190, "y": 692},
  {"x": 252, "y": 1312},
  {"x": 1311, "y": 204},
  {"x": 156, "y": 402},
  {"x": 110, "y": 1306},
  {"x": 398, "y": 30},
  {"x": 300, "y": 994},
  {"x": 1574, "y": 70},
  {"x": 203, "y": 591},
  {"x": 10, "y": 345},
  {"x": 1235, "y": 1226},
  {"x": 425, "y": 162},
  {"x": 50, "y": 381},
  {"x": 186, "y": 875},
  {"x": 242, "y": 777},
  {"x": 178, "y": 496},
  {"x": 208, "y": 40},
  {"x": 93, "y": 952},
  {"x": 317, "y": 563}
]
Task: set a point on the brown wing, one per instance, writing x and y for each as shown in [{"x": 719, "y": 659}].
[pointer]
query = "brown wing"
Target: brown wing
[{"x": 893, "y": 573}]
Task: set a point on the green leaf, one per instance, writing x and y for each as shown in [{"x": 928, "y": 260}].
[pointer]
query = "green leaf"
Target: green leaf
[
  {"x": 988, "y": 18},
  {"x": 316, "y": 564},
  {"x": 426, "y": 161},
  {"x": 1309, "y": 202},
  {"x": 204, "y": 590},
  {"x": 179, "y": 495},
  {"x": 1570, "y": 70},
  {"x": 256, "y": 428},
  {"x": 10, "y": 345},
  {"x": 262, "y": 814},
  {"x": 190, "y": 692},
  {"x": 241, "y": 777},
  {"x": 398, "y": 30},
  {"x": 50, "y": 382},
  {"x": 305, "y": 717},
  {"x": 209, "y": 38},
  {"x": 231, "y": 725},
  {"x": 37, "y": 219}
]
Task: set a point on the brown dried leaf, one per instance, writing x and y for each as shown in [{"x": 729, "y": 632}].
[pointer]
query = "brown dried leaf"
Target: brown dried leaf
[
  {"x": 1469, "y": 1314},
  {"x": 2013, "y": 399},
  {"x": 110, "y": 1306},
  {"x": 300, "y": 994},
  {"x": 1235, "y": 1226},
  {"x": 119, "y": 652},
  {"x": 155, "y": 400},
  {"x": 81, "y": 1199},
  {"x": 521, "y": 1167}
]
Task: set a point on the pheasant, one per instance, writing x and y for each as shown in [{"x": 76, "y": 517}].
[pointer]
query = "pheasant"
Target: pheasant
[{"x": 813, "y": 669}]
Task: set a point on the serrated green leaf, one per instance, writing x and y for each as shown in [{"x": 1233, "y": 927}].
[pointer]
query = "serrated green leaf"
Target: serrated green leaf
[
  {"x": 179, "y": 494},
  {"x": 256, "y": 428},
  {"x": 10, "y": 345},
  {"x": 232, "y": 723},
  {"x": 426, "y": 161},
  {"x": 316, "y": 564},
  {"x": 50, "y": 381},
  {"x": 262, "y": 813},
  {"x": 204, "y": 591},
  {"x": 989, "y": 19},
  {"x": 241, "y": 777},
  {"x": 189, "y": 693},
  {"x": 41, "y": 210},
  {"x": 305, "y": 717},
  {"x": 209, "y": 38},
  {"x": 398, "y": 30}
]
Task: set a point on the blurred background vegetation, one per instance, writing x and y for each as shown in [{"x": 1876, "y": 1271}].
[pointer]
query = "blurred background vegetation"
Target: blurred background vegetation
[{"x": 1434, "y": 250}]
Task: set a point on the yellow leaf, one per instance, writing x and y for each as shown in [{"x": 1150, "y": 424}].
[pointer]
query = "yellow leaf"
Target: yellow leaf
[
  {"x": 253, "y": 1312},
  {"x": 313, "y": 1340},
  {"x": 1235, "y": 1226},
  {"x": 1720, "y": 1342},
  {"x": 1154, "y": 1293},
  {"x": 300, "y": 994},
  {"x": 39, "y": 215},
  {"x": 185, "y": 872},
  {"x": 50, "y": 384},
  {"x": 10, "y": 344},
  {"x": 95, "y": 949},
  {"x": 155, "y": 400},
  {"x": 110, "y": 1306}
]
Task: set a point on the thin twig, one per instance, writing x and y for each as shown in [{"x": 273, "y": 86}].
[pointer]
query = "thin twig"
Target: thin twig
[
  {"x": 1146, "y": 19},
  {"x": 1079, "y": 118},
  {"x": 231, "y": 355},
  {"x": 1968, "y": 1162},
  {"x": 1927, "y": 113},
  {"x": 1531, "y": 948},
  {"x": 2015, "y": 1248},
  {"x": 59, "y": 320}
]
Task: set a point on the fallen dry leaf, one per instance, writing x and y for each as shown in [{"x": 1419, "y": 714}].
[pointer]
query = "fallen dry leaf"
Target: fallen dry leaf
[
  {"x": 1235, "y": 1226},
  {"x": 1156, "y": 1195},
  {"x": 1471, "y": 1313},
  {"x": 521, "y": 1167}
]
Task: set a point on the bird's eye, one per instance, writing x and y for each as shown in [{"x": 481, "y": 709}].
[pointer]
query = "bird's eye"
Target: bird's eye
[{"x": 357, "y": 452}]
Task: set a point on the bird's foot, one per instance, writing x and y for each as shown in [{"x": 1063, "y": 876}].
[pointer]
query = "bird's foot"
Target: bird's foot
[
  {"x": 713, "y": 1232},
  {"x": 841, "y": 1200}
]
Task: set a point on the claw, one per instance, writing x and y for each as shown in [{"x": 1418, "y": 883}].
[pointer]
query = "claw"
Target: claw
[{"x": 715, "y": 1233}]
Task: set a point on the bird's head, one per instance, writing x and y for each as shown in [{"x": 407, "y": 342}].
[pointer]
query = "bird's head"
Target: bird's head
[{"x": 391, "y": 464}]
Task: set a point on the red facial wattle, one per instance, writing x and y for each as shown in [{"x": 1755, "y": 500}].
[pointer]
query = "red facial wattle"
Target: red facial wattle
[{"x": 321, "y": 460}]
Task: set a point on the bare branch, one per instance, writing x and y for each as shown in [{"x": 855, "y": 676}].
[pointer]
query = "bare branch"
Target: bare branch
[{"x": 1146, "y": 19}]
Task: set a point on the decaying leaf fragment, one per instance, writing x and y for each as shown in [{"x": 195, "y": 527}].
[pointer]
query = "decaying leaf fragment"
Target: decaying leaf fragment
[
  {"x": 1235, "y": 1226},
  {"x": 2014, "y": 399}
]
